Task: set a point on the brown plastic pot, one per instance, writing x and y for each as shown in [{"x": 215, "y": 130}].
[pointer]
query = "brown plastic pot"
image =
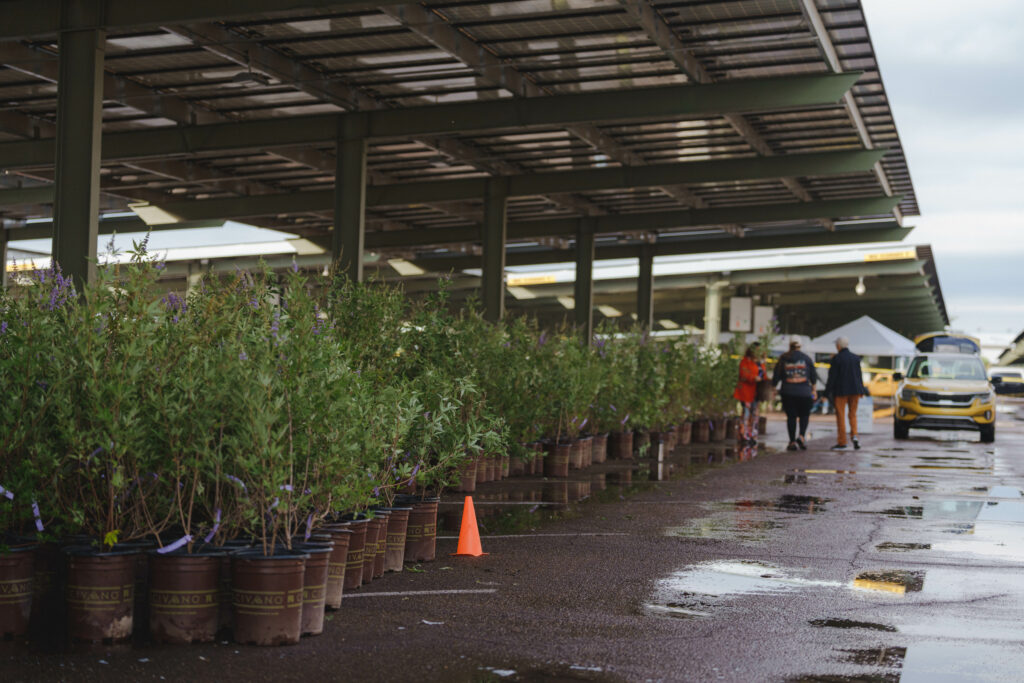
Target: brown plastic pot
[
  {"x": 718, "y": 429},
  {"x": 506, "y": 465},
  {"x": 483, "y": 470},
  {"x": 48, "y": 619},
  {"x": 685, "y": 431},
  {"x": 373, "y": 534},
  {"x": 421, "y": 533},
  {"x": 556, "y": 462},
  {"x": 701, "y": 431},
  {"x": 382, "y": 542},
  {"x": 267, "y": 596},
  {"x": 599, "y": 448},
  {"x": 494, "y": 467},
  {"x": 641, "y": 442},
  {"x": 184, "y": 596},
  {"x": 730, "y": 428},
  {"x": 341, "y": 535},
  {"x": 576, "y": 454},
  {"x": 354, "y": 558},
  {"x": 398, "y": 525},
  {"x": 762, "y": 425},
  {"x": 620, "y": 445},
  {"x": 100, "y": 594},
  {"x": 517, "y": 467},
  {"x": 538, "y": 460},
  {"x": 17, "y": 568},
  {"x": 467, "y": 476},
  {"x": 314, "y": 586}
]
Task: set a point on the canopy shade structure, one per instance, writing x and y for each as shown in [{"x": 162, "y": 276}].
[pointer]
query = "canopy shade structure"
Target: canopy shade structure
[
  {"x": 868, "y": 337},
  {"x": 652, "y": 118}
]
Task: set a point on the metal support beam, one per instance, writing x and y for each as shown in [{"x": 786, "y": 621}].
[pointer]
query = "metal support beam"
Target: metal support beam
[
  {"x": 350, "y": 199},
  {"x": 713, "y": 312},
  {"x": 583, "y": 290},
  {"x": 79, "y": 120},
  {"x": 3, "y": 257},
  {"x": 645, "y": 288},
  {"x": 463, "y": 118},
  {"x": 494, "y": 235}
]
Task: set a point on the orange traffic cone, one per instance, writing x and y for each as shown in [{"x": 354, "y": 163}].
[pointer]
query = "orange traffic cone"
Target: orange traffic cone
[{"x": 469, "y": 535}]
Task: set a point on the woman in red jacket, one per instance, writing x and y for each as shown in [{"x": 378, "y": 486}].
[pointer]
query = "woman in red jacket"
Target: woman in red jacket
[{"x": 752, "y": 370}]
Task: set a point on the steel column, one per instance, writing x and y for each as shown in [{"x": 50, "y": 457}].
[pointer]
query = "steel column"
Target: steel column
[
  {"x": 713, "y": 312},
  {"x": 79, "y": 121},
  {"x": 583, "y": 290},
  {"x": 495, "y": 233},
  {"x": 645, "y": 288},
  {"x": 350, "y": 198}
]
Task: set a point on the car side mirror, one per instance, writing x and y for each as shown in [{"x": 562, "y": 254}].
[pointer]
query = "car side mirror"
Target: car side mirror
[
  {"x": 997, "y": 380},
  {"x": 897, "y": 376}
]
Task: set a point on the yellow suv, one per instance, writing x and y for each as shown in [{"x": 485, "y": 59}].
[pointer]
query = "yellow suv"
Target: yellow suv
[{"x": 945, "y": 391}]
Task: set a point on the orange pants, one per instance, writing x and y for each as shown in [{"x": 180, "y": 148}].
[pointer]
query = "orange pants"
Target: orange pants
[{"x": 844, "y": 404}]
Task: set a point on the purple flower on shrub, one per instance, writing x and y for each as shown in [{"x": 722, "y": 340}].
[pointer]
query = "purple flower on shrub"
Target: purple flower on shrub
[
  {"x": 543, "y": 339},
  {"x": 295, "y": 266},
  {"x": 3, "y": 327},
  {"x": 243, "y": 356}
]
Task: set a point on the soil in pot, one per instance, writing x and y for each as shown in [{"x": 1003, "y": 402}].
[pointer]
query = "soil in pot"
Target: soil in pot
[
  {"x": 336, "y": 564},
  {"x": 184, "y": 596},
  {"x": 398, "y": 525},
  {"x": 100, "y": 594},
  {"x": 620, "y": 445},
  {"x": 421, "y": 534},
  {"x": 599, "y": 448},
  {"x": 314, "y": 586},
  {"x": 467, "y": 476},
  {"x": 17, "y": 569},
  {"x": 267, "y": 596},
  {"x": 556, "y": 461}
]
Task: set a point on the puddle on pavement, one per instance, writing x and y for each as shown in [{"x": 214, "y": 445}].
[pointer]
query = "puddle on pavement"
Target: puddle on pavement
[
  {"x": 902, "y": 547},
  {"x": 800, "y": 476},
  {"x": 547, "y": 674},
  {"x": 962, "y": 510},
  {"x": 750, "y": 531},
  {"x": 851, "y": 624},
  {"x": 885, "y": 657},
  {"x": 890, "y": 581},
  {"x": 700, "y": 589},
  {"x": 789, "y": 504}
]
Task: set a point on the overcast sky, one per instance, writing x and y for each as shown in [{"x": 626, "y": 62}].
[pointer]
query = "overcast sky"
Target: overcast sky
[{"x": 954, "y": 75}]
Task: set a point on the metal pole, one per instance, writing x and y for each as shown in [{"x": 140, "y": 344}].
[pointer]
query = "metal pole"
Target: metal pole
[
  {"x": 645, "y": 288},
  {"x": 350, "y": 197},
  {"x": 713, "y": 313},
  {"x": 79, "y": 124},
  {"x": 4, "y": 238},
  {"x": 495, "y": 229},
  {"x": 583, "y": 291}
]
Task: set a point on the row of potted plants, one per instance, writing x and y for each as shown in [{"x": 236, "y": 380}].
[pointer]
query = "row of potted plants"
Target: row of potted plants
[{"x": 264, "y": 410}]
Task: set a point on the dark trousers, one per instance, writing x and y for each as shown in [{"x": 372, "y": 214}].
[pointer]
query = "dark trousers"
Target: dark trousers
[{"x": 797, "y": 407}]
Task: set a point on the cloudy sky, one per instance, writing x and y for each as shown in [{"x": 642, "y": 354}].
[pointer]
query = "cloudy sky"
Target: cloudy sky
[{"x": 954, "y": 75}]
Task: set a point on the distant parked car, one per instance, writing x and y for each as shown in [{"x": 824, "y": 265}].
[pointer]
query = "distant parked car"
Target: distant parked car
[
  {"x": 947, "y": 342},
  {"x": 882, "y": 385},
  {"x": 945, "y": 391},
  {"x": 1007, "y": 381}
]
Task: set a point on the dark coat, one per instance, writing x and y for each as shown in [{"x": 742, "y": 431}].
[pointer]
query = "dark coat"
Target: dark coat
[
  {"x": 795, "y": 370},
  {"x": 844, "y": 375}
]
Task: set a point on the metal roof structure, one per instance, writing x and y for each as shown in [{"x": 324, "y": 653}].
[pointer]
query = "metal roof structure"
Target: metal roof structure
[
  {"x": 1013, "y": 354},
  {"x": 453, "y": 125}
]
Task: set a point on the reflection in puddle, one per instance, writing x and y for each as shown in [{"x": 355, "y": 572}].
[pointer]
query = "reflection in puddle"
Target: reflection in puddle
[
  {"x": 940, "y": 510},
  {"x": 850, "y": 624},
  {"x": 741, "y": 530},
  {"x": 902, "y": 547},
  {"x": 886, "y": 657},
  {"x": 789, "y": 504},
  {"x": 697, "y": 590},
  {"x": 890, "y": 581}
]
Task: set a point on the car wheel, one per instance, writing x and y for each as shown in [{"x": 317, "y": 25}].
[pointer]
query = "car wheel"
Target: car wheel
[
  {"x": 899, "y": 430},
  {"x": 988, "y": 433}
]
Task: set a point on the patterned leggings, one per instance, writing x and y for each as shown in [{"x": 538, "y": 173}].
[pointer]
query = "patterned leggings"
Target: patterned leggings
[{"x": 748, "y": 423}]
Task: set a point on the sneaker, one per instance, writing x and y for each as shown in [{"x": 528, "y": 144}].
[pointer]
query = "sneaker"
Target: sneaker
[
  {"x": 856, "y": 444},
  {"x": 800, "y": 443},
  {"x": 792, "y": 446},
  {"x": 839, "y": 447}
]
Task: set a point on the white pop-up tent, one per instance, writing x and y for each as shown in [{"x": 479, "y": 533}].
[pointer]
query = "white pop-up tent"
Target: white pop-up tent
[{"x": 868, "y": 337}]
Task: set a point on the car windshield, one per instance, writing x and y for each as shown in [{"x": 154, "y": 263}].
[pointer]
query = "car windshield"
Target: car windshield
[{"x": 946, "y": 368}]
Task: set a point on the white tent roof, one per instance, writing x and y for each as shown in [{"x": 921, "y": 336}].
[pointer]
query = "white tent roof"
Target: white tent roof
[{"x": 868, "y": 337}]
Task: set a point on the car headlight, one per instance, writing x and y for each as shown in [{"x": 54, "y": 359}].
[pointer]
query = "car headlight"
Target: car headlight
[
  {"x": 986, "y": 397},
  {"x": 908, "y": 394}
]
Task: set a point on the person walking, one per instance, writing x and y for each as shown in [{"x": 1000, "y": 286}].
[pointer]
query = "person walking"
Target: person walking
[
  {"x": 844, "y": 388},
  {"x": 797, "y": 376},
  {"x": 752, "y": 370}
]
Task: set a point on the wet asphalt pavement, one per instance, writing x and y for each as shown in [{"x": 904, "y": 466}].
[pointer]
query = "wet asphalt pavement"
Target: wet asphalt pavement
[{"x": 898, "y": 562}]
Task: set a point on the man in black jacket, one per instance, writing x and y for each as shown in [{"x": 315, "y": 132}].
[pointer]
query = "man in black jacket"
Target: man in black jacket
[{"x": 844, "y": 388}]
